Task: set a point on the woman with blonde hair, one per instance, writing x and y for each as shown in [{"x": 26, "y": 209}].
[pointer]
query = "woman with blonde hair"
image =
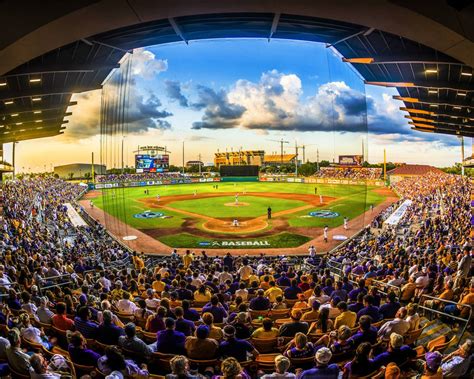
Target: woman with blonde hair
[
  {"x": 214, "y": 331},
  {"x": 231, "y": 369}
]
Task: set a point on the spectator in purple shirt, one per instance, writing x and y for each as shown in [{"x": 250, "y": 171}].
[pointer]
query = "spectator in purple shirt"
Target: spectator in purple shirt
[
  {"x": 216, "y": 309},
  {"x": 79, "y": 352},
  {"x": 357, "y": 306},
  {"x": 348, "y": 287},
  {"x": 108, "y": 333},
  {"x": 190, "y": 314},
  {"x": 366, "y": 332},
  {"x": 260, "y": 303},
  {"x": 323, "y": 369},
  {"x": 390, "y": 308},
  {"x": 369, "y": 309},
  {"x": 82, "y": 324},
  {"x": 397, "y": 352},
  {"x": 292, "y": 291},
  {"x": 339, "y": 292},
  {"x": 283, "y": 280},
  {"x": 182, "y": 325},
  {"x": 360, "y": 289},
  {"x": 169, "y": 341}
]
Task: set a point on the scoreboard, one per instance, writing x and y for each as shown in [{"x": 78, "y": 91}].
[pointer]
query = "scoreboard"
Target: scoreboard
[{"x": 151, "y": 163}]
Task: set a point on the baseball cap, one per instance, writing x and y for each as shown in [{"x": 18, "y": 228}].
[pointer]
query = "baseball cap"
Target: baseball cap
[
  {"x": 34, "y": 287},
  {"x": 433, "y": 360},
  {"x": 323, "y": 356}
]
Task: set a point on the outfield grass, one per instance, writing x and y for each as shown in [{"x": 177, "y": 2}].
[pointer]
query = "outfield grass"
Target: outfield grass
[
  {"x": 214, "y": 206},
  {"x": 349, "y": 206},
  {"x": 123, "y": 203},
  {"x": 281, "y": 240}
]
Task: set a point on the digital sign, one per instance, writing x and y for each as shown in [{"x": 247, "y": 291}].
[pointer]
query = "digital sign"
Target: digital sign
[
  {"x": 148, "y": 163},
  {"x": 350, "y": 160}
]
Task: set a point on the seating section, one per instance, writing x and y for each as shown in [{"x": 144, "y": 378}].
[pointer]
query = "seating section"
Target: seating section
[{"x": 392, "y": 299}]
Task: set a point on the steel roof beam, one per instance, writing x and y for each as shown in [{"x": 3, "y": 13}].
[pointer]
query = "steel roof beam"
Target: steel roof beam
[
  {"x": 177, "y": 30},
  {"x": 276, "y": 18},
  {"x": 40, "y": 91},
  {"x": 43, "y": 110},
  {"x": 466, "y": 87},
  {"x": 426, "y": 100}
]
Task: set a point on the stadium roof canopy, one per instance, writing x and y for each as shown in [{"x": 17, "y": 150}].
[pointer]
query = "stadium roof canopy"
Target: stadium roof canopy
[{"x": 50, "y": 50}]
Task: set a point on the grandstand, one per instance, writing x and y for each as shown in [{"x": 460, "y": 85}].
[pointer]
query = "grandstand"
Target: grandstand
[{"x": 395, "y": 300}]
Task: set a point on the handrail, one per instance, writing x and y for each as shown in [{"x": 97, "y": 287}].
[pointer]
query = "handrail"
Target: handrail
[
  {"x": 466, "y": 321},
  {"x": 54, "y": 286},
  {"x": 397, "y": 289}
]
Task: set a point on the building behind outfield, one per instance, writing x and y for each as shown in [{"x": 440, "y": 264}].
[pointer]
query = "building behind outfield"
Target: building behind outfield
[
  {"x": 78, "y": 170},
  {"x": 410, "y": 171}
]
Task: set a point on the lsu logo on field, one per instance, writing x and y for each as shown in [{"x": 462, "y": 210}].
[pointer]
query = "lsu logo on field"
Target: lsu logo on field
[
  {"x": 149, "y": 214},
  {"x": 324, "y": 213}
]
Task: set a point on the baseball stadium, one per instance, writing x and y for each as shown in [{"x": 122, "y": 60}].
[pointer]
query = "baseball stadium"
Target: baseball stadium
[{"x": 236, "y": 190}]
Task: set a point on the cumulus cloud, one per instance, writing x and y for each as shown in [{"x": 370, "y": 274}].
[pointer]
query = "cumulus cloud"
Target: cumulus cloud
[
  {"x": 219, "y": 113},
  {"x": 275, "y": 103},
  {"x": 174, "y": 93},
  {"x": 146, "y": 65}
]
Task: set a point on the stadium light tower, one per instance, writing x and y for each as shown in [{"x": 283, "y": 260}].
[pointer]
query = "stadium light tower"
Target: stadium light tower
[{"x": 282, "y": 141}]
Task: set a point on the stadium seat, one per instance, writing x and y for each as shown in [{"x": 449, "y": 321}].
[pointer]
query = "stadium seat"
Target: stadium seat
[
  {"x": 17, "y": 375},
  {"x": 266, "y": 362},
  {"x": 265, "y": 345}
]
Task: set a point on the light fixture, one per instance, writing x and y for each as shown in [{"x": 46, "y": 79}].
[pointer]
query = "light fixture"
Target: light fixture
[
  {"x": 406, "y": 99},
  {"x": 39, "y": 121},
  {"x": 456, "y": 107},
  {"x": 3, "y": 84},
  {"x": 2, "y": 126},
  {"x": 22, "y": 130},
  {"x": 8, "y": 102},
  {"x": 432, "y": 91},
  {"x": 466, "y": 73},
  {"x": 390, "y": 84},
  {"x": 19, "y": 123},
  {"x": 6, "y": 132},
  {"x": 454, "y": 116},
  {"x": 434, "y": 105},
  {"x": 35, "y": 80},
  {"x": 36, "y": 99},
  {"x": 431, "y": 71},
  {"x": 39, "y": 127},
  {"x": 36, "y": 112},
  {"x": 14, "y": 115},
  {"x": 358, "y": 60},
  {"x": 461, "y": 94}
]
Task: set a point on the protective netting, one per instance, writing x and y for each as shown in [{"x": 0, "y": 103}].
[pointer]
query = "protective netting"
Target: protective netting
[{"x": 114, "y": 121}]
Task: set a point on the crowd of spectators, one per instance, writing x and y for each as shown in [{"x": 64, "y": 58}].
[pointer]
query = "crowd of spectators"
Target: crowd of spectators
[
  {"x": 192, "y": 315},
  {"x": 112, "y": 178},
  {"x": 350, "y": 173}
]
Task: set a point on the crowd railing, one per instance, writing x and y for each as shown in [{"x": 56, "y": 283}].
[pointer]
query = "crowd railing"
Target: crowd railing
[{"x": 436, "y": 311}]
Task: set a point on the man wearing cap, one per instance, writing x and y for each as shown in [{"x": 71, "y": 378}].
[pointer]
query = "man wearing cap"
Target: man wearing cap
[
  {"x": 233, "y": 347},
  {"x": 432, "y": 368},
  {"x": 456, "y": 364},
  {"x": 323, "y": 369},
  {"x": 397, "y": 352},
  {"x": 289, "y": 329},
  {"x": 201, "y": 346}
]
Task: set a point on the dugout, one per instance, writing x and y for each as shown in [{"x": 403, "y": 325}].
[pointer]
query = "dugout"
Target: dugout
[{"x": 244, "y": 173}]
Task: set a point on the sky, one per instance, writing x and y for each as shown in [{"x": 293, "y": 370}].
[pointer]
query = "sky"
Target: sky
[{"x": 218, "y": 95}]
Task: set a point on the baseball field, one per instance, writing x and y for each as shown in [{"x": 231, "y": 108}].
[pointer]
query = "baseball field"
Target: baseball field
[{"x": 235, "y": 215}]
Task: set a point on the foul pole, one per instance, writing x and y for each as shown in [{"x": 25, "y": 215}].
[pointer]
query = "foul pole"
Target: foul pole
[
  {"x": 462, "y": 155},
  {"x": 183, "y": 157},
  {"x": 384, "y": 165},
  {"x": 92, "y": 169}
]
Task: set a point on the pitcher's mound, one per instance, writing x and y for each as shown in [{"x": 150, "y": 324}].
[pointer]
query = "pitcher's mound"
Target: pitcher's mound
[{"x": 239, "y": 204}]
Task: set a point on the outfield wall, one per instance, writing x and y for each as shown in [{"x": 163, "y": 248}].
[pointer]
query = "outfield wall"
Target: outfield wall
[{"x": 280, "y": 179}]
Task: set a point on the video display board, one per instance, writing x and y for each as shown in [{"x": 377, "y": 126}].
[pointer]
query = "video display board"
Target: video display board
[
  {"x": 148, "y": 163},
  {"x": 350, "y": 160}
]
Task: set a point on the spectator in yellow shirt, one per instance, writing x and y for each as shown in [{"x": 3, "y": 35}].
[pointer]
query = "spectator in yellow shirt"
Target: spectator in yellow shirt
[
  {"x": 346, "y": 317},
  {"x": 188, "y": 258},
  {"x": 266, "y": 330},
  {"x": 158, "y": 285},
  {"x": 273, "y": 292}
]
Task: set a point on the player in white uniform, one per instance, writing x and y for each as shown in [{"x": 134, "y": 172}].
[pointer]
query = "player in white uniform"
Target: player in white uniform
[
  {"x": 326, "y": 233},
  {"x": 158, "y": 197},
  {"x": 346, "y": 220}
]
